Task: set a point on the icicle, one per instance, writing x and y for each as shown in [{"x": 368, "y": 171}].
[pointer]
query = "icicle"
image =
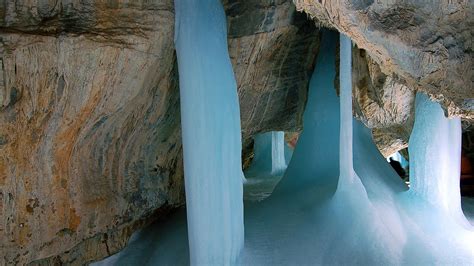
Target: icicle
[
  {"x": 268, "y": 165},
  {"x": 435, "y": 158},
  {"x": 211, "y": 131}
]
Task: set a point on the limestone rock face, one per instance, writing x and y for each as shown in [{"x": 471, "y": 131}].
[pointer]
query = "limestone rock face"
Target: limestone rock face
[
  {"x": 90, "y": 141},
  {"x": 428, "y": 44},
  {"x": 90, "y": 126},
  {"x": 273, "y": 49},
  {"x": 383, "y": 103}
]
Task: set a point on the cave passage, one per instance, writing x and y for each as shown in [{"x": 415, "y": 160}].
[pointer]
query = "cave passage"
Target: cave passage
[
  {"x": 339, "y": 202},
  {"x": 271, "y": 157}
]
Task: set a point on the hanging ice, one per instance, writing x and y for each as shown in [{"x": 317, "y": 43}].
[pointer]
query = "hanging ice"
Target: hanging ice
[
  {"x": 210, "y": 121},
  {"x": 268, "y": 165}
]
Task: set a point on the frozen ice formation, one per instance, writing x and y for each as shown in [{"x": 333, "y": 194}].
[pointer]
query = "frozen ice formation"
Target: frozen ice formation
[
  {"x": 268, "y": 165},
  {"x": 210, "y": 119},
  {"x": 435, "y": 155},
  {"x": 339, "y": 202}
]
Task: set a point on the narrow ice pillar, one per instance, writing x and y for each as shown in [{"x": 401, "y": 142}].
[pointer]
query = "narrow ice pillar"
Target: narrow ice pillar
[
  {"x": 210, "y": 120},
  {"x": 345, "y": 148},
  {"x": 270, "y": 151},
  {"x": 435, "y": 157}
]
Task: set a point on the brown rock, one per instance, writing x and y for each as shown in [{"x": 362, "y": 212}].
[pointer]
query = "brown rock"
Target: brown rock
[
  {"x": 383, "y": 103},
  {"x": 90, "y": 142}
]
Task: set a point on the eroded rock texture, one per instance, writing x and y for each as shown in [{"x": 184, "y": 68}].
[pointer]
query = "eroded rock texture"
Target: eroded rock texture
[
  {"x": 90, "y": 123},
  {"x": 273, "y": 50},
  {"x": 383, "y": 103},
  {"x": 428, "y": 44},
  {"x": 90, "y": 144}
]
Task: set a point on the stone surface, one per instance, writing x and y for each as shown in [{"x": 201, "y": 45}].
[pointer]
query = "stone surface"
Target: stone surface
[
  {"x": 90, "y": 124},
  {"x": 383, "y": 103},
  {"x": 273, "y": 50},
  {"x": 426, "y": 43},
  {"x": 90, "y": 144}
]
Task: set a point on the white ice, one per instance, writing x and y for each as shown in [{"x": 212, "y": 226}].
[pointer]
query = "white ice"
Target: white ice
[
  {"x": 210, "y": 119},
  {"x": 333, "y": 208}
]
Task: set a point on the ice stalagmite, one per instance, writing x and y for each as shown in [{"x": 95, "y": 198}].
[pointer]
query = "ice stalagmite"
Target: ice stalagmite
[
  {"x": 211, "y": 131},
  {"x": 435, "y": 158}
]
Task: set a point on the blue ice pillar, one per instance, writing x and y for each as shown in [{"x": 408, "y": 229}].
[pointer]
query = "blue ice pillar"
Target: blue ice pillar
[
  {"x": 269, "y": 150},
  {"x": 346, "y": 175},
  {"x": 435, "y": 158},
  {"x": 268, "y": 165},
  {"x": 210, "y": 122}
]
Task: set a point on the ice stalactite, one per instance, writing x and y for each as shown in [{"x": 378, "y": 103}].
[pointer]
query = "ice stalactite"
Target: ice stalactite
[
  {"x": 211, "y": 133},
  {"x": 268, "y": 165},
  {"x": 435, "y": 158}
]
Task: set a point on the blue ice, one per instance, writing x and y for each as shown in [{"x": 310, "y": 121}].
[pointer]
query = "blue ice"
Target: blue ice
[
  {"x": 211, "y": 133},
  {"x": 268, "y": 165}
]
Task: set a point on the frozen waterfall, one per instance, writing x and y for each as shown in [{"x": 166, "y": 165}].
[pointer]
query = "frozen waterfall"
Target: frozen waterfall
[{"x": 210, "y": 120}]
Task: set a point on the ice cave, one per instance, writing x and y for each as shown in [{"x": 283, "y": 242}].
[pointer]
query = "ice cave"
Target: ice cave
[
  {"x": 178, "y": 146},
  {"x": 338, "y": 202}
]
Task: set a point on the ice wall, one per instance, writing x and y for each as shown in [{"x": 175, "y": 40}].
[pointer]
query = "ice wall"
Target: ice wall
[
  {"x": 211, "y": 133},
  {"x": 435, "y": 158}
]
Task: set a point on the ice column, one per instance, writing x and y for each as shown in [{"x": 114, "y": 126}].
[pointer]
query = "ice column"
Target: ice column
[
  {"x": 268, "y": 165},
  {"x": 435, "y": 158},
  {"x": 345, "y": 147},
  {"x": 210, "y": 120},
  {"x": 270, "y": 152}
]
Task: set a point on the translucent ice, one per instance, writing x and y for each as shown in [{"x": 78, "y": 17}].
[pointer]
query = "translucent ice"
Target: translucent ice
[
  {"x": 210, "y": 120},
  {"x": 435, "y": 155}
]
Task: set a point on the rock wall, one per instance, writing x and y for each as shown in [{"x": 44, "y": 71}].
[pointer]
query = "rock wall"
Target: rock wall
[
  {"x": 90, "y": 142},
  {"x": 383, "y": 102},
  {"x": 90, "y": 123}
]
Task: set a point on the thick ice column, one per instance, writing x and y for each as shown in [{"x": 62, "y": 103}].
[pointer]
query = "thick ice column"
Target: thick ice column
[
  {"x": 345, "y": 148},
  {"x": 211, "y": 131},
  {"x": 435, "y": 157}
]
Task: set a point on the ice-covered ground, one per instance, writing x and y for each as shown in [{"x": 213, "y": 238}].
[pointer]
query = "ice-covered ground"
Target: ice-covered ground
[{"x": 370, "y": 219}]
